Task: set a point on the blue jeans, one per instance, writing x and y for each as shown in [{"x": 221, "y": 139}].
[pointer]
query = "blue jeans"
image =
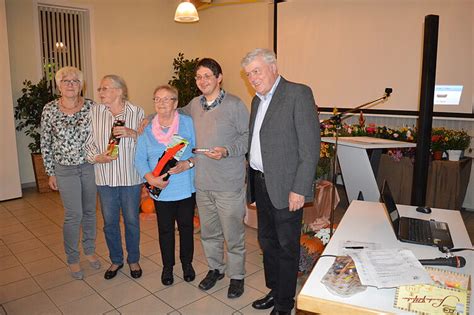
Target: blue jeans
[
  {"x": 127, "y": 198},
  {"x": 78, "y": 192}
]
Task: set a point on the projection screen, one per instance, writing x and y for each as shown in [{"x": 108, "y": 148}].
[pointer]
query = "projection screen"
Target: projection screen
[{"x": 349, "y": 51}]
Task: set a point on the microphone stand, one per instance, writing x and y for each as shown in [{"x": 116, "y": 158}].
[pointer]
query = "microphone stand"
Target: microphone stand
[{"x": 337, "y": 119}]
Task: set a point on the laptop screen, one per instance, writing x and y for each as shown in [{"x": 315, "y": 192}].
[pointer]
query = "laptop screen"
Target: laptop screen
[{"x": 391, "y": 207}]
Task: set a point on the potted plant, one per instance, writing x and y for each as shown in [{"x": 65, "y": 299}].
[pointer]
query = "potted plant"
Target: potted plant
[
  {"x": 28, "y": 115},
  {"x": 183, "y": 79},
  {"x": 456, "y": 142},
  {"x": 438, "y": 143}
]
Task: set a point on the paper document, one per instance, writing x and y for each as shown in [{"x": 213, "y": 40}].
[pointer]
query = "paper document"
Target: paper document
[
  {"x": 346, "y": 247},
  {"x": 389, "y": 268}
]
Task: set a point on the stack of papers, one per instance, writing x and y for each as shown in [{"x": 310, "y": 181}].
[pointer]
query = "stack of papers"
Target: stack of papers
[{"x": 388, "y": 268}]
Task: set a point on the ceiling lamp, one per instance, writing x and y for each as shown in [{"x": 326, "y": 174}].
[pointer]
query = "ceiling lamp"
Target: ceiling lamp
[
  {"x": 60, "y": 47},
  {"x": 186, "y": 13}
]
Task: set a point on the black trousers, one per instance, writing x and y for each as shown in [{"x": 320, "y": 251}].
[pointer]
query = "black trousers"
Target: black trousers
[
  {"x": 167, "y": 213},
  {"x": 279, "y": 233}
]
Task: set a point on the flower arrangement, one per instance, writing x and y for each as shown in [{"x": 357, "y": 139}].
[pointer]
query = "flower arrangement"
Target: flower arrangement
[
  {"x": 324, "y": 164},
  {"x": 371, "y": 130},
  {"x": 442, "y": 139},
  {"x": 457, "y": 139},
  {"x": 323, "y": 235},
  {"x": 405, "y": 133},
  {"x": 438, "y": 142}
]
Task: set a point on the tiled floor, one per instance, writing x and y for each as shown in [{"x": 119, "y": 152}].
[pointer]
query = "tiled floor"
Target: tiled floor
[{"x": 34, "y": 278}]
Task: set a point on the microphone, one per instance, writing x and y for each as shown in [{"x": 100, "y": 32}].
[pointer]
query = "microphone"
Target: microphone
[
  {"x": 388, "y": 91},
  {"x": 455, "y": 261}
]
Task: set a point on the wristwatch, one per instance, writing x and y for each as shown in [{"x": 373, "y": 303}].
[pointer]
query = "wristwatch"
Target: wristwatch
[{"x": 191, "y": 164}]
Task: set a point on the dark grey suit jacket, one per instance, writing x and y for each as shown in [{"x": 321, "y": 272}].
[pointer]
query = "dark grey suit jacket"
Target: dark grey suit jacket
[{"x": 290, "y": 143}]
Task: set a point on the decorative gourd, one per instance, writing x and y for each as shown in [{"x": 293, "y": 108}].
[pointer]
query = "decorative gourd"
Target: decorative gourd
[
  {"x": 148, "y": 206},
  {"x": 312, "y": 244}
]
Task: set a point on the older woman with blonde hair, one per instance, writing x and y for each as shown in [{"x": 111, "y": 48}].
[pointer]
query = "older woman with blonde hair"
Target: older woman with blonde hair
[
  {"x": 65, "y": 127},
  {"x": 118, "y": 182}
]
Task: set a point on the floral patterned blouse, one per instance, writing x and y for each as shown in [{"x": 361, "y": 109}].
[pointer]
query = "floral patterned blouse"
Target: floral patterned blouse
[{"x": 63, "y": 136}]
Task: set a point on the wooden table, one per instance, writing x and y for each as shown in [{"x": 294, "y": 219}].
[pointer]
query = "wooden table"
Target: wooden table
[{"x": 368, "y": 222}]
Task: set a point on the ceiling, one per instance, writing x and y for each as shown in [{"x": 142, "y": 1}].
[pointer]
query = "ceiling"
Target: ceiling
[{"x": 198, "y": 3}]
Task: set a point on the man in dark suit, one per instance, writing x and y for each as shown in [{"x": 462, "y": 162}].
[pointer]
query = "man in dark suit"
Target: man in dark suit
[{"x": 284, "y": 151}]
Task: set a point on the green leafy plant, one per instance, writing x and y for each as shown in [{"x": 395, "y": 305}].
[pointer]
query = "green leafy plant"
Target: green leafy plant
[
  {"x": 324, "y": 164},
  {"x": 29, "y": 109},
  {"x": 183, "y": 79}
]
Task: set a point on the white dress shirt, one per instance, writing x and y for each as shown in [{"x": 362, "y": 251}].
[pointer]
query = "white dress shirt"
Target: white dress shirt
[{"x": 255, "y": 150}]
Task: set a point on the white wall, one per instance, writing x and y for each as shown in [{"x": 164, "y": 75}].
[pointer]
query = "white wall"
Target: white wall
[
  {"x": 138, "y": 40},
  {"x": 9, "y": 174},
  {"x": 350, "y": 50}
]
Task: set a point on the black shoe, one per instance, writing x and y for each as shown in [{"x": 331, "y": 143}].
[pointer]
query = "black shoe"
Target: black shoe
[
  {"x": 210, "y": 280},
  {"x": 136, "y": 273},
  {"x": 109, "y": 274},
  {"x": 264, "y": 303},
  {"x": 275, "y": 312},
  {"x": 188, "y": 272},
  {"x": 167, "y": 276},
  {"x": 236, "y": 288}
]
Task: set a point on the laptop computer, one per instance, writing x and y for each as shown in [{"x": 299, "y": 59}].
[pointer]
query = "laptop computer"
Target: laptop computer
[{"x": 417, "y": 231}]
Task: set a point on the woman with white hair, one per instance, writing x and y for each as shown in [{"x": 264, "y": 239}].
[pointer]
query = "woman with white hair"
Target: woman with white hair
[
  {"x": 117, "y": 180},
  {"x": 65, "y": 126}
]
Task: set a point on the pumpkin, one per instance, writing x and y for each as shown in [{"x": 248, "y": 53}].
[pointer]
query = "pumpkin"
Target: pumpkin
[
  {"x": 196, "y": 222},
  {"x": 148, "y": 206},
  {"x": 312, "y": 244}
]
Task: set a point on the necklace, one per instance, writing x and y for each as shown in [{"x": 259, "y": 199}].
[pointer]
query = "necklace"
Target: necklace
[
  {"x": 167, "y": 125},
  {"x": 77, "y": 103}
]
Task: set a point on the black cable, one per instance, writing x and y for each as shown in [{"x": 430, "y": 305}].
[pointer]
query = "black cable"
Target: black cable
[
  {"x": 328, "y": 256},
  {"x": 452, "y": 250}
]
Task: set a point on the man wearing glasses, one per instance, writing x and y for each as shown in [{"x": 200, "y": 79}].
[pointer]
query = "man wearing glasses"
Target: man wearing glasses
[{"x": 221, "y": 125}]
